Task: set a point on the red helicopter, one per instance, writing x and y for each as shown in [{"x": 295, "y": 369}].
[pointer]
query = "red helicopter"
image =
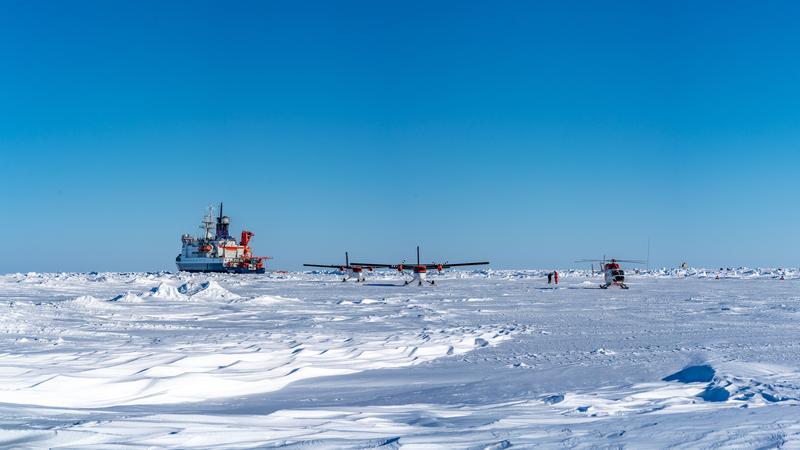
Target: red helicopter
[
  {"x": 419, "y": 271},
  {"x": 350, "y": 270},
  {"x": 612, "y": 272}
]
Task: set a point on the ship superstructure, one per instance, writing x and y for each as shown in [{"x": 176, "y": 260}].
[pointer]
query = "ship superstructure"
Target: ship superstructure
[{"x": 218, "y": 252}]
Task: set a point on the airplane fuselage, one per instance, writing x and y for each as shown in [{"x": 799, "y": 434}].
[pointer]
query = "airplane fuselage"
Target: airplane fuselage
[
  {"x": 419, "y": 275},
  {"x": 355, "y": 272}
]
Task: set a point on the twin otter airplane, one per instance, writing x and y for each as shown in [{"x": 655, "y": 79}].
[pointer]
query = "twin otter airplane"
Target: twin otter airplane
[
  {"x": 350, "y": 270},
  {"x": 418, "y": 271}
]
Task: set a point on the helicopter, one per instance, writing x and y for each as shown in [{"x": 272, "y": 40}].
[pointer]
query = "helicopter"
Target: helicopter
[
  {"x": 612, "y": 272},
  {"x": 350, "y": 271},
  {"x": 419, "y": 271}
]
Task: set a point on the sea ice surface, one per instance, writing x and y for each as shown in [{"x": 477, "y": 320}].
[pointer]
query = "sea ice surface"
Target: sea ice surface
[{"x": 484, "y": 359}]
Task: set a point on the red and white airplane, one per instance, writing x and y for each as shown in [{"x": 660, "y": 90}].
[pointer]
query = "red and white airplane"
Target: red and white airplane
[
  {"x": 612, "y": 272},
  {"x": 350, "y": 270},
  {"x": 419, "y": 271}
]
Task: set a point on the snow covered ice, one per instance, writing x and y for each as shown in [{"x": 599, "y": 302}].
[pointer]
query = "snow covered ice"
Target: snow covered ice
[{"x": 485, "y": 359}]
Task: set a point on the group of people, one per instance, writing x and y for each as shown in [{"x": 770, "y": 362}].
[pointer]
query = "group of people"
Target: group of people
[{"x": 552, "y": 276}]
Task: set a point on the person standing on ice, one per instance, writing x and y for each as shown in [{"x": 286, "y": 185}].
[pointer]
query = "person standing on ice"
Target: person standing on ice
[
  {"x": 549, "y": 277},
  {"x": 555, "y": 276}
]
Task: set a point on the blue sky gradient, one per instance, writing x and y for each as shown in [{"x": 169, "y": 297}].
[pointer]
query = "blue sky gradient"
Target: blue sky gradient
[{"x": 528, "y": 133}]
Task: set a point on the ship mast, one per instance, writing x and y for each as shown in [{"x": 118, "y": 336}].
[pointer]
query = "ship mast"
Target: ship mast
[{"x": 208, "y": 222}]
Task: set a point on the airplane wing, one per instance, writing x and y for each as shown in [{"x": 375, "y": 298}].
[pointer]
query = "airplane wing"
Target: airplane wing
[
  {"x": 322, "y": 265},
  {"x": 410, "y": 266},
  {"x": 390, "y": 266},
  {"x": 448, "y": 265}
]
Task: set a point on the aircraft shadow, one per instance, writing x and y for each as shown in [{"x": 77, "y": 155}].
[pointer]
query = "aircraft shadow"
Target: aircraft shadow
[{"x": 567, "y": 287}]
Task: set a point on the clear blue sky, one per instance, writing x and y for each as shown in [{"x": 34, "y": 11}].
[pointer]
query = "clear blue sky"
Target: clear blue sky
[{"x": 528, "y": 133}]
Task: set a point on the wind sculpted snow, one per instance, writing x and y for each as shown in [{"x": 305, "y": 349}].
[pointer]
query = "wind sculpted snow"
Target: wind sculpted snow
[{"x": 485, "y": 359}]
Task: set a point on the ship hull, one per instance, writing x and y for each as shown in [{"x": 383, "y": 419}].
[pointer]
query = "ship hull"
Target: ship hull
[
  {"x": 223, "y": 270},
  {"x": 214, "y": 265}
]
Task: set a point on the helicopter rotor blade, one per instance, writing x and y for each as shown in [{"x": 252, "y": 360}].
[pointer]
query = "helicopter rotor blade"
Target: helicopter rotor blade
[{"x": 629, "y": 261}]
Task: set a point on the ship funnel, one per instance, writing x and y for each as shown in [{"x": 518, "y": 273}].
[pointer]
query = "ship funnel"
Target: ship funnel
[{"x": 223, "y": 222}]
